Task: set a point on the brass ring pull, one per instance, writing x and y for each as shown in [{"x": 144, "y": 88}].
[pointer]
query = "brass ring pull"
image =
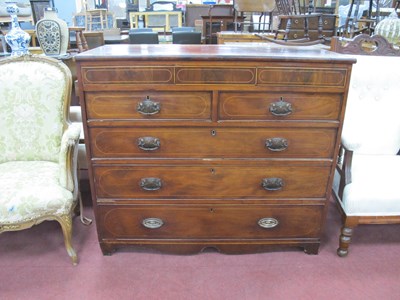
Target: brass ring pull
[
  {"x": 148, "y": 143},
  {"x": 276, "y": 144},
  {"x": 272, "y": 184},
  {"x": 150, "y": 184},
  {"x": 268, "y": 222},
  {"x": 280, "y": 108},
  {"x": 148, "y": 107},
  {"x": 152, "y": 223}
]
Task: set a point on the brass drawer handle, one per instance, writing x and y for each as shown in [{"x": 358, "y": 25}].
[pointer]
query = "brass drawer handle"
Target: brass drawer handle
[
  {"x": 276, "y": 144},
  {"x": 272, "y": 184},
  {"x": 268, "y": 222},
  {"x": 148, "y": 143},
  {"x": 151, "y": 184},
  {"x": 152, "y": 223},
  {"x": 148, "y": 107},
  {"x": 280, "y": 108}
]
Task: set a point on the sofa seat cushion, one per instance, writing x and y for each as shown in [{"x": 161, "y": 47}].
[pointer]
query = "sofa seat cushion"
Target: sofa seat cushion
[
  {"x": 31, "y": 190},
  {"x": 375, "y": 188}
]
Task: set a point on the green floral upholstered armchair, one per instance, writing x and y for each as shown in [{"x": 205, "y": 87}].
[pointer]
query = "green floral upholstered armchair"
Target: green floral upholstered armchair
[{"x": 38, "y": 146}]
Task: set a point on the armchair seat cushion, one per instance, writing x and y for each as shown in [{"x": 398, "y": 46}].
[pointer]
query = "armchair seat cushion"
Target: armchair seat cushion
[
  {"x": 30, "y": 189},
  {"x": 375, "y": 186}
]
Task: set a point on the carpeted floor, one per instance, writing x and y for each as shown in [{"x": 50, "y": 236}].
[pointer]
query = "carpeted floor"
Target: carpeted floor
[{"x": 34, "y": 265}]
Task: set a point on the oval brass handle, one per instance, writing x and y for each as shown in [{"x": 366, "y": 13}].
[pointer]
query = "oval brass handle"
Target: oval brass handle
[
  {"x": 272, "y": 184},
  {"x": 268, "y": 222},
  {"x": 280, "y": 108},
  {"x": 276, "y": 144},
  {"x": 148, "y": 107},
  {"x": 148, "y": 143},
  {"x": 150, "y": 184},
  {"x": 152, "y": 223}
]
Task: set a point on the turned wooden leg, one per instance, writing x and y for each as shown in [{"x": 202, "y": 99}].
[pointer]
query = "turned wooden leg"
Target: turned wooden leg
[
  {"x": 66, "y": 225},
  {"x": 344, "y": 241}
]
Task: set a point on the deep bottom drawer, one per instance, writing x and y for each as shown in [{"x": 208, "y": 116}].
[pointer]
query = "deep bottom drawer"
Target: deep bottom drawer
[{"x": 209, "y": 222}]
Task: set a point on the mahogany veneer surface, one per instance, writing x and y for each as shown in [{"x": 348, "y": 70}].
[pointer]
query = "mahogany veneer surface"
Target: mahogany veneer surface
[{"x": 224, "y": 146}]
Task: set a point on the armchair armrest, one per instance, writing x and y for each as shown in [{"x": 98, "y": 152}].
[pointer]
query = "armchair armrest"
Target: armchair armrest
[
  {"x": 344, "y": 167},
  {"x": 68, "y": 157}
]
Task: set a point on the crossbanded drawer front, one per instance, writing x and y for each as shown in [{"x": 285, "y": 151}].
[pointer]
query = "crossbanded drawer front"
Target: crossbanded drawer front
[
  {"x": 209, "y": 222},
  {"x": 212, "y": 142},
  {"x": 279, "y": 106},
  {"x": 302, "y": 76},
  {"x": 211, "y": 181},
  {"x": 215, "y": 75},
  {"x": 127, "y": 75},
  {"x": 148, "y": 105}
]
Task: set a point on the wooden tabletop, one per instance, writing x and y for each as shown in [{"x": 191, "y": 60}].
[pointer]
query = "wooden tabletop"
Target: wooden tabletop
[{"x": 239, "y": 52}]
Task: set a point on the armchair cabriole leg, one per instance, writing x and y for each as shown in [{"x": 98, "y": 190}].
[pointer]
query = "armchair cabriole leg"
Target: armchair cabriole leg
[
  {"x": 66, "y": 225},
  {"x": 344, "y": 241}
]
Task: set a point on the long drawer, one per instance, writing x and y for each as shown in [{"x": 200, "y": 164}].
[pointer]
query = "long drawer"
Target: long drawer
[
  {"x": 209, "y": 222},
  {"x": 212, "y": 142},
  {"x": 212, "y": 181},
  {"x": 149, "y": 105}
]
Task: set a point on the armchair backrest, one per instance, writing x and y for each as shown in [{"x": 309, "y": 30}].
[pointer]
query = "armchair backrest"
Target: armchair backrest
[{"x": 35, "y": 96}]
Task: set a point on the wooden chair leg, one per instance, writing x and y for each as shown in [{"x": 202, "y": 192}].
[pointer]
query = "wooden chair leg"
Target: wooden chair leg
[
  {"x": 66, "y": 225},
  {"x": 344, "y": 241}
]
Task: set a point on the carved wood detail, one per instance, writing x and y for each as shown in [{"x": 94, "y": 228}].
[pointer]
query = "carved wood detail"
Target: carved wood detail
[{"x": 364, "y": 44}]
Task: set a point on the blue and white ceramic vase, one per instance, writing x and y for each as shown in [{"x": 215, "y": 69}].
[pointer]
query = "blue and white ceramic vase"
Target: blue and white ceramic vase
[
  {"x": 52, "y": 33},
  {"x": 16, "y": 38}
]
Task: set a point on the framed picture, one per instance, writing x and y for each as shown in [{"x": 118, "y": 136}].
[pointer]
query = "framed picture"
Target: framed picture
[{"x": 38, "y": 7}]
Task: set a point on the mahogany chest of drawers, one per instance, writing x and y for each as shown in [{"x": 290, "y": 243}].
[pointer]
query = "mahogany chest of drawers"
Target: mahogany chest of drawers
[{"x": 221, "y": 146}]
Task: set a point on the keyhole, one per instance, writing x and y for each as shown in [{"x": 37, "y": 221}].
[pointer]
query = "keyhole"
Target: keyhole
[
  {"x": 212, "y": 171},
  {"x": 213, "y": 132},
  {"x": 211, "y": 210}
]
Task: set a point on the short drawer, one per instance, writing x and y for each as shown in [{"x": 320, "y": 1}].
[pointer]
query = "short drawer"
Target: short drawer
[
  {"x": 242, "y": 180},
  {"x": 209, "y": 222},
  {"x": 125, "y": 74},
  {"x": 148, "y": 105},
  {"x": 212, "y": 142},
  {"x": 279, "y": 106},
  {"x": 322, "y": 77}
]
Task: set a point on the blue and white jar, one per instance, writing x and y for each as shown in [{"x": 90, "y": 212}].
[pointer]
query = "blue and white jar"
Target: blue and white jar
[
  {"x": 52, "y": 33},
  {"x": 16, "y": 38}
]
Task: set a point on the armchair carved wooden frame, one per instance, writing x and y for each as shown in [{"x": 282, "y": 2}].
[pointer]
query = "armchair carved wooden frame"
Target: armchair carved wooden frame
[{"x": 38, "y": 146}]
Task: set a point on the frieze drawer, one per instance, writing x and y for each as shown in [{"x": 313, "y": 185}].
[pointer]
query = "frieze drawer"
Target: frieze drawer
[
  {"x": 301, "y": 76},
  {"x": 149, "y": 105},
  {"x": 209, "y": 221},
  {"x": 212, "y": 181},
  {"x": 211, "y": 142}
]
